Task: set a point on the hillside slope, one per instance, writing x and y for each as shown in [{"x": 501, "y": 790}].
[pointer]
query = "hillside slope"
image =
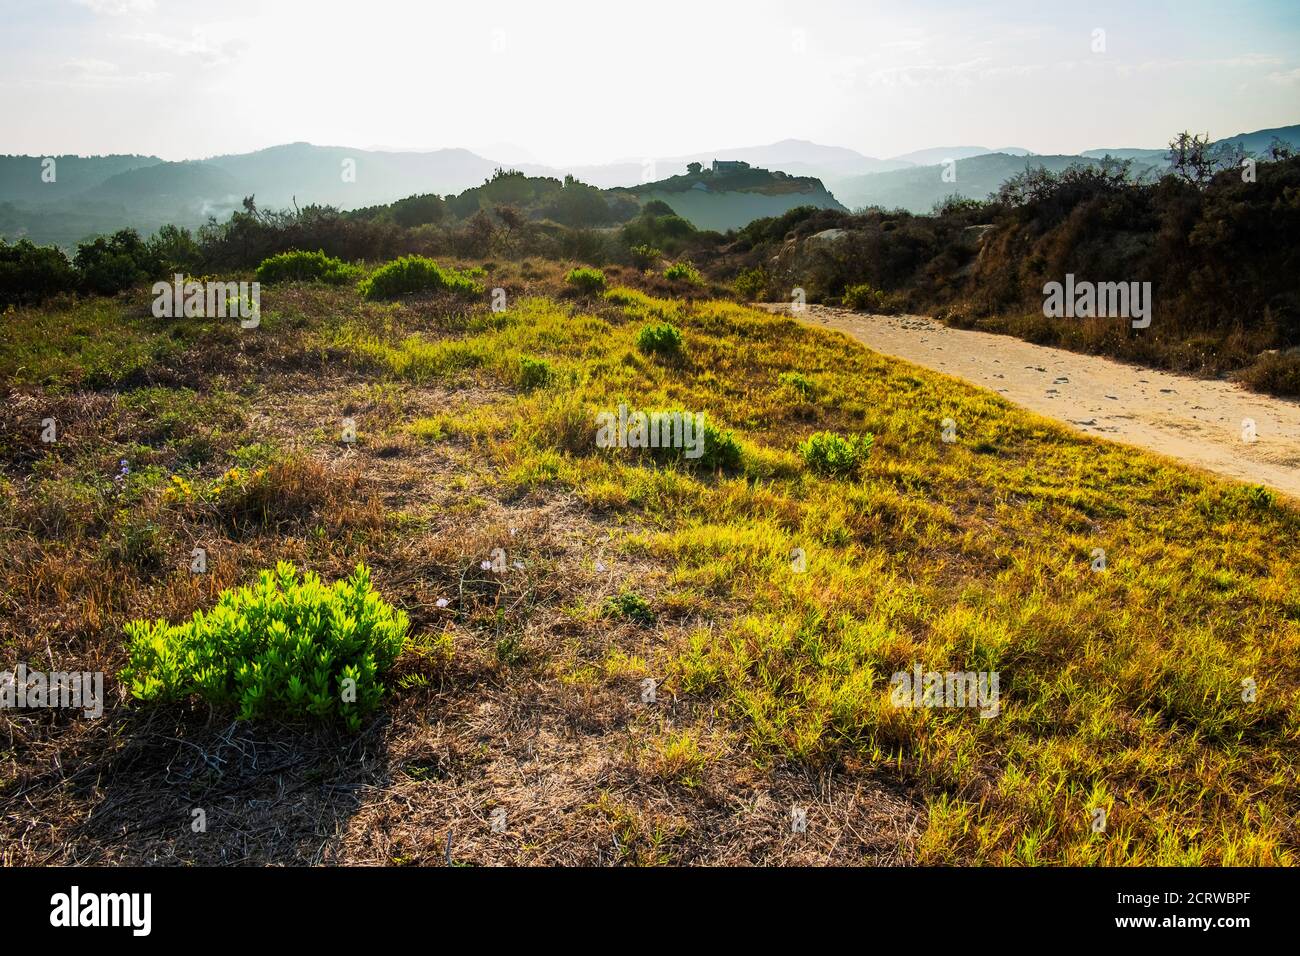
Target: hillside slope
[{"x": 675, "y": 659}]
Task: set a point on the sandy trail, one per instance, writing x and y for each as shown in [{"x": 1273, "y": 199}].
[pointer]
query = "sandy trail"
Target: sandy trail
[{"x": 1197, "y": 421}]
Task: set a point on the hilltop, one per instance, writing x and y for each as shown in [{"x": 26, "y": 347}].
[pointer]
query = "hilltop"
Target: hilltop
[{"x": 731, "y": 193}]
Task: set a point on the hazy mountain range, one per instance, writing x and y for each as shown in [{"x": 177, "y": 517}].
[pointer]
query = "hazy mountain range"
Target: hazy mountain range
[{"x": 88, "y": 195}]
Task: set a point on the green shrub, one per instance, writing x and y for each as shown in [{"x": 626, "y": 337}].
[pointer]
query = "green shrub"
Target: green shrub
[
  {"x": 630, "y": 606},
  {"x": 111, "y": 264},
  {"x": 863, "y": 298},
  {"x": 416, "y": 274},
  {"x": 286, "y": 646},
  {"x": 658, "y": 226},
  {"x": 175, "y": 250},
  {"x": 1276, "y": 373},
  {"x": 751, "y": 284},
  {"x": 30, "y": 273},
  {"x": 721, "y": 450},
  {"x": 589, "y": 281},
  {"x": 646, "y": 256},
  {"x": 663, "y": 339},
  {"x": 298, "y": 266},
  {"x": 716, "y": 449},
  {"x": 134, "y": 540},
  {"x": 683, "y": 272},
  {"x": 835, "y": 456},
  {"x": 534, "y": 373},
  {"x": 1235, "y": 502}
]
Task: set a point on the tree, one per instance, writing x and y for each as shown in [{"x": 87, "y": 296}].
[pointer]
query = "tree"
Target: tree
[
  {"x": 1192, "y": 159},
  {"x": 1279, "y": 150},
  {"x": 30, "y": 273},
  {"x": 418, "y": 210},
  {"x": 175, "y": 250},
  {"x": 111, "y": 264}
]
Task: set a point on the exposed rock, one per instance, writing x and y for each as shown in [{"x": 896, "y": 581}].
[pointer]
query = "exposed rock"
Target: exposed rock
[
  {"x": 973, "y": 236},
  {"x": 828, "y": 235}
]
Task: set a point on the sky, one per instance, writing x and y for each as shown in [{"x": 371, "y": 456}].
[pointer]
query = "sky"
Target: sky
[{"x": 568, "y": 82}]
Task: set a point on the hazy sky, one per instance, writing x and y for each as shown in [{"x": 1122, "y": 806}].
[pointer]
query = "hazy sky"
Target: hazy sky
[{"x": 570, "y": 82}]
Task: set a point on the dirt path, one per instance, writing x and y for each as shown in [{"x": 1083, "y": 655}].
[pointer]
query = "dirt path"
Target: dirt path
[{"x": 1197, "y": 421}]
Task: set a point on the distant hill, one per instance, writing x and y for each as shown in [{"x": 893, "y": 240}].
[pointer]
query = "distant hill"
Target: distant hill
[
  {"x": 734, "y": 194},
  {"x": 918, "y": 189},
  {"x": 728, "y": 197},
  {"x": 801, "y": 158},
  {"x": 794, "y": 156},
  {"x": 937, "y": 154},
  {"x": 350, "y": 178},
  {"x": 1259, "y": 141},
  {"x": 1152, "y": 155},
  {"x": 21, "y": 180},
  {"x": 183, "y": 191},
  {"x": 102, "y": 193}
]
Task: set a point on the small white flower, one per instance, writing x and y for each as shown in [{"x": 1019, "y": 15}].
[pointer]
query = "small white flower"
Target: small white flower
[
  {"x": 486, "y": 565},
  {"x": 441, "y": 602},
  {"x": 600, "y": 566}
]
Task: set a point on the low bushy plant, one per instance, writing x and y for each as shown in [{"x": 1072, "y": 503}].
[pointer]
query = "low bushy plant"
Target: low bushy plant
[
  {"x": 411, "y": 274},
  {"x": 721, "y": 449},
  {"x": 630, "y": 606},
  {"x": 663, "y": 339},
  {"x": 1276, "y": 373},
  {"x": 646, "y": 256},
  {"x": 863, "y": 298},
  {"x": 711, "y": 448},
  {"x": 683, "y": 272},
  {"x": 589, "y": 281},
  {"x": 299, "y": 266},
  {"x": 751, "y": 284},
  {"x": 835, "y": 456},
  {"x": 534, "y": 373},
  {"x": 288, "y": 646}
]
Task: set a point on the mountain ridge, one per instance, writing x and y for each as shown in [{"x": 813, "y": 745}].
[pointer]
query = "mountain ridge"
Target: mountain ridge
[{"x": 92, "y": 194}]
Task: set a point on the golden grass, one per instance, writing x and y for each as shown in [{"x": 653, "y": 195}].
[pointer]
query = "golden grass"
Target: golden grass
[{"x": 1121, "y": 689}]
